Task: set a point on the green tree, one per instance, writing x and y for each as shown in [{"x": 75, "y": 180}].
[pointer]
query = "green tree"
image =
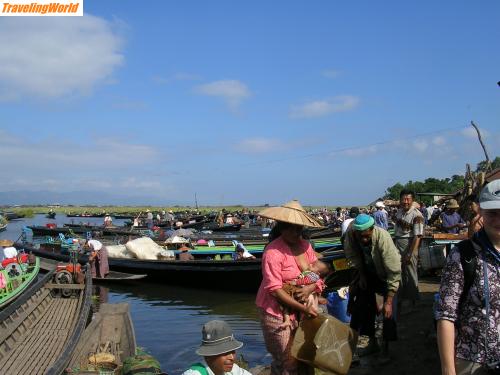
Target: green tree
[{"x": 481, "y": 166}]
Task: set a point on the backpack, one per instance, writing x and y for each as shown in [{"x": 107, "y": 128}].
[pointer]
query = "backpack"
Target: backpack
[{"x": 468, "y": 259}]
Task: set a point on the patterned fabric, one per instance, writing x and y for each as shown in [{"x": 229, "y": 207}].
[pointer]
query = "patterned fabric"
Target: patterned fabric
[
  {"x": 279, "y": 344},
  {"x": 470, "y": 319},
  {"x": 307, "y": 278}
]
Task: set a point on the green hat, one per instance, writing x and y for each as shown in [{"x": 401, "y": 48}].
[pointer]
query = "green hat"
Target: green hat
[{"x": 363, "y": 222}]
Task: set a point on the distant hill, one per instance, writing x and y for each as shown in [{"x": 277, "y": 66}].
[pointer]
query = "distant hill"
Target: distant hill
[{"x": 81, "y": 198}]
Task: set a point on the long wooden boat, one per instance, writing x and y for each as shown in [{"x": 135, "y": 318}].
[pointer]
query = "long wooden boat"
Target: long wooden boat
[
  {"x": 40, "y": 230},
  {"x": 16, "y": 284},
  {"x": 3, "y": 227},
  {"x": 214, "y": 227},
  {"x": 209, "y": 273},
  {"x": 40, "y": 330},
  {"x": 110, "y": 334}
]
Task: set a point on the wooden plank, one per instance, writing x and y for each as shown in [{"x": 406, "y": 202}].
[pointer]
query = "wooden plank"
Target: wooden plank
[
  {"x": 10, "y": 328},
  {"x": 65, "y": 286}
]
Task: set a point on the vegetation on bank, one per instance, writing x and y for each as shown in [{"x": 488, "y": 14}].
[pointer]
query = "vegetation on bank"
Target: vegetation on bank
[{"x": 436, "y": 185}]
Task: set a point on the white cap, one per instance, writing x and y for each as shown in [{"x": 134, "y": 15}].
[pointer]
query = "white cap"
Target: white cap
[
  {"x": 489, "y": 199},
  {"x": 380, "y": 204}
]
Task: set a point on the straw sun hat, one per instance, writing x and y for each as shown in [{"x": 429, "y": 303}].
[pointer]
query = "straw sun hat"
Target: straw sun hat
[
  {"x": 5, "y": 243},
  {"x": 291, "y": 212}
]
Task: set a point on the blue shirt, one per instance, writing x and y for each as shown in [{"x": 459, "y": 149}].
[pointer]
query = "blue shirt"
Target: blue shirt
[
  {"x": 449, "y": 220},
  {"x": 381, "y": 219}
]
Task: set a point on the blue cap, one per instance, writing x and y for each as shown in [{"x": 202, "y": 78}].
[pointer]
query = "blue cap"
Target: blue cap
[{"x": 363, "y": 222}]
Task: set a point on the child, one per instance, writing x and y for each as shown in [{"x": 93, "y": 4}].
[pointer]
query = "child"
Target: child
[{"x": 318, "y": 270}]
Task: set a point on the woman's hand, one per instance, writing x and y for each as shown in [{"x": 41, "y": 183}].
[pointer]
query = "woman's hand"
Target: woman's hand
[{"x": 303, "y": 294}]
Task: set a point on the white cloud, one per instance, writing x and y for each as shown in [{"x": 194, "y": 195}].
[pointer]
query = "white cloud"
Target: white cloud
[
  {"x": 232, "y": 91},
  {"x": 361, "y": 151},
  {"x": 470, "y": 132},
  {"x": 320, "y": 108},
  {"x": 438, "y": 141},
  {"x": 59, "y": 163},
  {"x": 420, "y": 145},
  {"x": 176, "y": 77},
  {"x": 260, "y": 145},
  {"x": 49, "y": 57},
  {"x": 330, "y": 73}
]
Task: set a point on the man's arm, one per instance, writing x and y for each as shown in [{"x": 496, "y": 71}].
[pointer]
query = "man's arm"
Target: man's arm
[{"x": 446, "y": 345}]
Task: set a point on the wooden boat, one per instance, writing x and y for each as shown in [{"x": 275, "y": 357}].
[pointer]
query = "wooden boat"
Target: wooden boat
[
  {"x": 111, "y": 332},
  {"x": 16, "y": 284},
  {"x": 113, "y": 276},
  {"x": 51, "y": 215},
  {"x": 40, "y": 230},
  {"x": 3, "y": 227},
  {"x": 214, "y": 227},
  {"x": 218, "y": 272},
  {"x": 40, "y": 330}
]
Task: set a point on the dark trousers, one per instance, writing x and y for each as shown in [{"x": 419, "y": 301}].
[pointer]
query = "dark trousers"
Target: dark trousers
[{"x": 363, "y": 308}]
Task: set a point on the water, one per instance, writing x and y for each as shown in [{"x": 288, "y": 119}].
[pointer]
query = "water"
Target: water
[{"x": 168, "y": 319}]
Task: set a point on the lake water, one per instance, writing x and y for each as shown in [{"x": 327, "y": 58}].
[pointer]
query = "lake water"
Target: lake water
[{"x": 168, "y": 319}]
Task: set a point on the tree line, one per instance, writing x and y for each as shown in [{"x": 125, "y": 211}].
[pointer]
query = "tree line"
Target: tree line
[{"x": 435, "y": 185}]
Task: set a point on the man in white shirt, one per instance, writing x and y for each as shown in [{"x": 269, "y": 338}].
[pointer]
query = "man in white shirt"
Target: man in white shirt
[
  {"x": 218, "y": 348},
  {"x": 353, "y": 212}
]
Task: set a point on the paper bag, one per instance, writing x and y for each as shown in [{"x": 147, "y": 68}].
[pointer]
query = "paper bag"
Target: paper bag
[{"x": 326, "y": 343}]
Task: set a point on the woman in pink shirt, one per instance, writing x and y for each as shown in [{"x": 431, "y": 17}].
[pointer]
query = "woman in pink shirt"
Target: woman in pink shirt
[{"x": 283, "y": 260}]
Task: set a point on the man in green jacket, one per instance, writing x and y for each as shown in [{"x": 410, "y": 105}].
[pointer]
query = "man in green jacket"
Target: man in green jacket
[{"x": 371, "y": 251}]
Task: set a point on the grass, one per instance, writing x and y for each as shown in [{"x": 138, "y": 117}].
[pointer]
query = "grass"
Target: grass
[{"x": 29, "y": 211}]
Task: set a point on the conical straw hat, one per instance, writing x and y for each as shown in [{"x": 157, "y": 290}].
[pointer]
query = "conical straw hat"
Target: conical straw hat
[
  {"x": 6, "y": 243},
  {"x": 291, "y": 212}
]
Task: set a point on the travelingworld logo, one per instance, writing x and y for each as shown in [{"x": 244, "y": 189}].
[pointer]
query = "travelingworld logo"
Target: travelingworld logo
[{"x": 41, "y": 8}]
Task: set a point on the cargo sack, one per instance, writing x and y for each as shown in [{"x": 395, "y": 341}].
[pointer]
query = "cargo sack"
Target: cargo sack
[
  {"x": 326, "y": 343},
  {"x": 141, "y": 364}
]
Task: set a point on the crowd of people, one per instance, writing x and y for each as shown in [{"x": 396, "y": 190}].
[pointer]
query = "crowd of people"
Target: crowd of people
[
  {"x": 384, "y": 284},
  {"x": 468, "y": 308}
]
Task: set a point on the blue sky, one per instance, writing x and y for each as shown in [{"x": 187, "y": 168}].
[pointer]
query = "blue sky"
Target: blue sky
[{"x": 247, "y": 103}]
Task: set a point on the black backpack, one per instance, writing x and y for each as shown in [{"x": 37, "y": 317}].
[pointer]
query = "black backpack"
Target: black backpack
[{"x": 468, "y": 259}]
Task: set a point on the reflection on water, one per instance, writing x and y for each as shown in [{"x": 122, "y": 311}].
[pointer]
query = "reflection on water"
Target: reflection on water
[{"x": 168, "y": 320}]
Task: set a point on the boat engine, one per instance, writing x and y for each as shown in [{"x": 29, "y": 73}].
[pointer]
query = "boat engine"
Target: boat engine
[{"x": 68, "y": 273}]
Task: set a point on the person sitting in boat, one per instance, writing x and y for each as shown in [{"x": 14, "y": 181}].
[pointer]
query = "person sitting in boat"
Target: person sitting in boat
[
  {"x": 108, "y": 221},
  {"x": 4, "y": 244},
  {"x": 98, "y": 259},
  {"x": 230, "y": 219},
  {"x": 242, "y": 253},
  {"x": 184, "y": 252},
  {"x": 218, "y": 349},
  {"x": 10, "y": 252}
]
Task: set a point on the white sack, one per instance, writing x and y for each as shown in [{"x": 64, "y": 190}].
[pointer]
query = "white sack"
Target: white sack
[
  {"x": 118, "y": 251},
  {"x": 144, "y": 248}
]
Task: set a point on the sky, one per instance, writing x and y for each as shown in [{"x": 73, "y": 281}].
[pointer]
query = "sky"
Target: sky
[{"x": 327, "y": 102}]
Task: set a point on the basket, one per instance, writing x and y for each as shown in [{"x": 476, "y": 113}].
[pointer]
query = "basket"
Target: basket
[{"x": 107, "y": 368}]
